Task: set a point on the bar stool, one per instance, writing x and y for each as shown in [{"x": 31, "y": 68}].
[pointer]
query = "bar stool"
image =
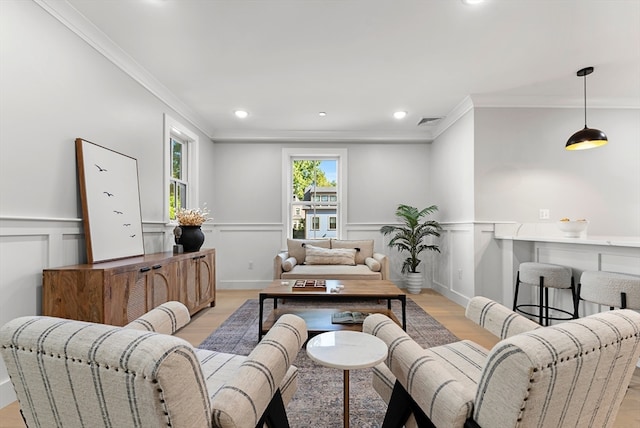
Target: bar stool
[
  {"x": 545, "y": 276},
  {"x": 616, "y": 290}
]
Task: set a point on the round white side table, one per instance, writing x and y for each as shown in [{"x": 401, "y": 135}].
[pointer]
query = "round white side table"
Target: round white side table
[{"x": 346, "y": 350}]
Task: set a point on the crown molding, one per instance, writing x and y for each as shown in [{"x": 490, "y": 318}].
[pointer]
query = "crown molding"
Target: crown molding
[
  {"x": 416, "y": 137},
  {"x": 87, "y": 31},
  {"x": 541, "y": 101},
  {"x": 456, "y": 113}
]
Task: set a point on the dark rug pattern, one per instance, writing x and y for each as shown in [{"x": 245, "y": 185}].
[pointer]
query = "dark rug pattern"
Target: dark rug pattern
[{"x": 318, "y": 401}]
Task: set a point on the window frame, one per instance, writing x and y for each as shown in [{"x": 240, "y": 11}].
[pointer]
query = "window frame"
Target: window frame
[
  {"x": 175, "y": 129},
  {"x": 291, "y": 154}
]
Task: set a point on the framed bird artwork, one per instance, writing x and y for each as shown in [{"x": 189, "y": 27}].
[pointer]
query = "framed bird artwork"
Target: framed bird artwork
[{"x": 110, "y": 197}]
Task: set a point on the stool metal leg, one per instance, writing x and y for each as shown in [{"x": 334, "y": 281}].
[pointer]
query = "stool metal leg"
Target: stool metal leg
[
  {"x": 541, "y": 301},
  {"x": 515, "y": 297},
  {"x": 546, "y": 305},
  {"x": 576, "y": 298}
]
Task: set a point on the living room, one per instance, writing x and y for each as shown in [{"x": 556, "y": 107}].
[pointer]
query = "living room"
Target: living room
[{"x": 485, "y": 164}]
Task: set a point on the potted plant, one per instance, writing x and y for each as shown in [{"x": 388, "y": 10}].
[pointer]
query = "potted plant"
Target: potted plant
[
  {"x": 188, "y": 233},
  {"x": 410, "y": 237}
]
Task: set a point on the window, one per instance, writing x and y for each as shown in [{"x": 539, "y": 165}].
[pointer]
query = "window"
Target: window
[
  {"x": 180, "y": 155},
  {"x": 315, "y": 183},
  {"x": 178, "y": 180},
  {"x": 315, "y": 223},
  {"x": 332, "y": 223}
]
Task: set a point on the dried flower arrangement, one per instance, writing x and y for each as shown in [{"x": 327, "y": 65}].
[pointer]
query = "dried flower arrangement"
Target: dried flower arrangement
[{"x": 193, "y": 216}]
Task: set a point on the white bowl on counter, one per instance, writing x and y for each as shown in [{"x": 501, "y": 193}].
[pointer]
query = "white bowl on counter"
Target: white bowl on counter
[{"x": 573, "y": 229}]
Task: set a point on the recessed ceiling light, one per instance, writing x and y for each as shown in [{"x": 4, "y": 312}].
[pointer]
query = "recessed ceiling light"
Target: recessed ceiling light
[
  {"x": 472, "y": 1},
  {"x": 322, "y": 113},
  {"x": 241, "y": 113},
  {"x": 400, "y": 114}
]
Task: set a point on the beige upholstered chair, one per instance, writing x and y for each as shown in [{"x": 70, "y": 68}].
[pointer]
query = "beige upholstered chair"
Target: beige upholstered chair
[
  {"x": 616, "y": 290},
  {"x": 573, "y": 374},
  {"x": 545, "y": 276},
  {"x": 70, "y": 373}
]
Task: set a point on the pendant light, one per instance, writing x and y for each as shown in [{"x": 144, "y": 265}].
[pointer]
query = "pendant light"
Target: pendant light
[{"x": 586, "y": 138}]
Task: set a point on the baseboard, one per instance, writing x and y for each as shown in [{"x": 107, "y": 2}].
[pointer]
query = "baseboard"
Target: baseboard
[
  {"x": 248, "y": 284},
  {"x": 455, "y": 297}
]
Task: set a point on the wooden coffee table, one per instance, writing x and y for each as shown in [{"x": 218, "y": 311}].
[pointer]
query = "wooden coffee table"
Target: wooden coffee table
[{"x": 319, "y": 319}]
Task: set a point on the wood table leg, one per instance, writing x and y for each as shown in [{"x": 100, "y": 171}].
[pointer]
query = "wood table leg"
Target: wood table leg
[{"x": 346, "y": 399}]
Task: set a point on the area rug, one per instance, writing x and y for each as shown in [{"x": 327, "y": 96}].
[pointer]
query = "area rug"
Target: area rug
[{"x": 318, "y": 400}]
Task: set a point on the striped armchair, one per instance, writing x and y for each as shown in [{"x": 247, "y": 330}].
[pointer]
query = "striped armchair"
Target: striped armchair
[
  {"x": 71, "y": 373},
  {"x": 571, "y": 374}
]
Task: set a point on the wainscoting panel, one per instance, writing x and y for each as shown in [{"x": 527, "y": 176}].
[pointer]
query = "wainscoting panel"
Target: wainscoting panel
[
  {"x": 462, "y": 272},
  {"x": 245, "y": 254},
  {"x": 615, "y": 262},
  {"x": 452, "y": 271}
]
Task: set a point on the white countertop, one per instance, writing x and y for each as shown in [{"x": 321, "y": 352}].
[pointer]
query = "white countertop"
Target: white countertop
[{"x": 544, "y": 233}]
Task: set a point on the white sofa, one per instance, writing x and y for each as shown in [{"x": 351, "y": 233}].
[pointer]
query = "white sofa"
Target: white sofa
[
  {"x": 330, "y": 259},
  {"x": 73, "y": 373}
]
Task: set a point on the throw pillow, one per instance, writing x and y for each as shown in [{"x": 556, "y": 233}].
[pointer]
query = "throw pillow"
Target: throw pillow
[
  {"x": 295, "y": 247},
  {"x": 364, "y": 247},
  {"x": 288, "y": 264},
  {"x": 326, "y": 256},
  {"x": 373, "y": 264}
]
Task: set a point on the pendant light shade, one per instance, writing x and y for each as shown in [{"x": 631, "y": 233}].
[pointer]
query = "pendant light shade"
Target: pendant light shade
[{"x": 586, "y": 138}]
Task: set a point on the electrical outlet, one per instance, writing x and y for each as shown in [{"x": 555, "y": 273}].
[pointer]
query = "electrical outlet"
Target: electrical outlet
[{"x": 544, "y": 214}]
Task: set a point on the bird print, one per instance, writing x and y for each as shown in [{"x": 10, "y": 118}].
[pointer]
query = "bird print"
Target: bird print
[
  {"x": 108, "y": 194},
  {"x": 118, "y": 212},
  {"x": 132, "y": 236},
  {"x": 100, "y": 169},
  {"x": 127, "y": 224}
]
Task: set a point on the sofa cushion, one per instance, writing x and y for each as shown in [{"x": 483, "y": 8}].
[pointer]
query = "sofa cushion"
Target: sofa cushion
[
  {"x": 373, "y": 264},
  {"x": 327, "y": 256},
  {"x": 289, "y": 263},
  {"x": 331, "y": 272},
  {"x": 295, "y": 247},
  {"x": 364, "y": 248}
]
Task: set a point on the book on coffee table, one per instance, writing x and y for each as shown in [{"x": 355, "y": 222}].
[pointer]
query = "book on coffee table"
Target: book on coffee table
[
  {"x": 348, "y": 317},
  {"x": 309, "y": 285}
]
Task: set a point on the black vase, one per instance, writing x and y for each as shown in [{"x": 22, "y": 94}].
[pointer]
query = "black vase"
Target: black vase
[{"x": 191, "y": 239}]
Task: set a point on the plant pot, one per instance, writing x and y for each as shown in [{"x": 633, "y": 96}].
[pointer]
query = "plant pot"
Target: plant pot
[
  {"x": 414, "y": 282},
  {"x": 191, "y": 238}
]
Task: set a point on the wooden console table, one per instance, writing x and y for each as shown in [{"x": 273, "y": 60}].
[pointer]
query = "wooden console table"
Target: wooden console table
[{"x": 119, "y": 291}]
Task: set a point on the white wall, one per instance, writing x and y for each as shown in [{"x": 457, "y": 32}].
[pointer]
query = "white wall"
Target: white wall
[
  {"x": 248, "y": 210},
  {"x": 451, "y": 169},
  {"x": 521, "y": 166},
  {"x": 54, "y": 88}
]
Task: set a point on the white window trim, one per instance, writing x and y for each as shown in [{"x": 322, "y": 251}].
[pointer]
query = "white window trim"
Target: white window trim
[
  {"x": 290, "y": 154},
  {"x": 174, "y": 128}
]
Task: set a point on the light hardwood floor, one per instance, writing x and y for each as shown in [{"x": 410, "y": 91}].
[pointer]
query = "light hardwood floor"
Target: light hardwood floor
[{"x": 448, "y": 313}]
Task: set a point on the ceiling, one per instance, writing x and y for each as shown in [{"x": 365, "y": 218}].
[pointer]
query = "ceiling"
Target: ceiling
[{"x": 360, "y": 60}]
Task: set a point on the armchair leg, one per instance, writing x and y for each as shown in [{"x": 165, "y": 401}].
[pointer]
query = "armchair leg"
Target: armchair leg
[
  {"x": 401, "y": 406},
  {"x": 275, "y": 415}
]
